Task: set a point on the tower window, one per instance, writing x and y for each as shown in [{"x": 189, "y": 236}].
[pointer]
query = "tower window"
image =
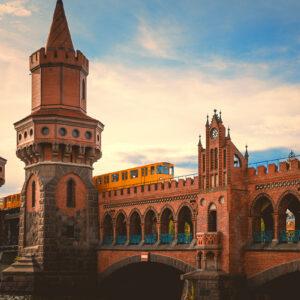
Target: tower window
[
  {"x": 211, "y": 159},
  {"x": 33, "y": 194},
  {"x": 88, "y": 135},
  {"x": 216, "y": 159},
  {"x": 203, "y": 163},
  {"x": 62, "y": 131},
  {"x": 45, "y": 131},
  {"x": 83, "y": 89},
  {"x": 224, "y": 157},
  {"x": 75, "y": 133},
  {"x": 71, "y": 193}
]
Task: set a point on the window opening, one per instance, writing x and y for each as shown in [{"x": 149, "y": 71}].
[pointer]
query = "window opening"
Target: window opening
[
  {"x": 33, "y": 194},
  {"x": 211, "y": 159},
  {"x": 115, "y": 177},
  {"x": 134, "y": 173},
  {"x": 152, "y": 170},
  {"x": 203, "y": 163},
  {"x": 159, "y": 169},
  {"x": 71, "y": 193},
  {"x": 83, "y": 89},
  {"x": 216, "y": 159},
  {"x": 224, "y": 157},
  {"x": 166, "y": 170}
]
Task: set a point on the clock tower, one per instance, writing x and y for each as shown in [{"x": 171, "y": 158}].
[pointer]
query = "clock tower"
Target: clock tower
[{"x": 58, "y": 142}]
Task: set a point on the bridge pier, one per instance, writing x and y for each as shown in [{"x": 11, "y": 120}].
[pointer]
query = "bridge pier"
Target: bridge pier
[{"x": 212, "y": 285}]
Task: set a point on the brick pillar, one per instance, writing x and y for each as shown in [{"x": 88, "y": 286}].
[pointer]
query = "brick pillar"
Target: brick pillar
[
  {"x": 128, "y": 232},
  {"x": 101, "y": 235},
  {"x": 143, "y": 231},
  {"x": 194, "y": 229},
  {"x": 250, "y": 228},
  {"x": 275, "y": 221},
  {"x": 114, "y": 233},
  {"x": 175, "y": 230},
  {"x": 158, "y": 232}
]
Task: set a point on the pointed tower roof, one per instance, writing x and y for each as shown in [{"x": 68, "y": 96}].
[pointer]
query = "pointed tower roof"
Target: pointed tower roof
[{"x": 59, "y": 35}]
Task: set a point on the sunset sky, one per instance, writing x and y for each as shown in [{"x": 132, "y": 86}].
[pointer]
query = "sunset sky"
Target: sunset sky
[{"x": 157, "y": 68}]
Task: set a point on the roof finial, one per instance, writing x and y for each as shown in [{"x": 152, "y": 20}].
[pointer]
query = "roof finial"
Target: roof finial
[
  {"x": 292, "y": 154},
  {"x": 221, "y": 116},
  {"x": 200, "y": 144},
  {"x": 215, "y": 111},
  {"x": 207, "y": 123},
  {"x": 246, "y": 153},
  {"x": 228, "y": 134}
]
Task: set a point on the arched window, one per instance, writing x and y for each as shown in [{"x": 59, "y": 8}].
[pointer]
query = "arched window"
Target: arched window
[
  {"x": 33, "y": 194},
  {"x": 237, "y": 161},
  {"x": 83, "y": 89},
  {"x": 212, "y": 218},
  {"x": 71, "y": 193},
  {"x": 216, "y": 158},
  {"x": 211, "y": 159}
]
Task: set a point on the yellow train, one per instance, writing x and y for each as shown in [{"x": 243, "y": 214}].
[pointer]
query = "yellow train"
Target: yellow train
[
  {"x": 11, "y": 201},
  {"x": 157, "y": 172}
]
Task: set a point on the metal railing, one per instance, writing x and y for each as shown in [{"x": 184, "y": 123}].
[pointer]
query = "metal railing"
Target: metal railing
[
  {"x": 150, "y": 238},
  {"x": 263, "y": 236},
  {"x": 287, "y": 236},
  {"x": 121, "y": 239},
  {"x": 184, "y": 238},
  {"x": 135, "y": 239},
  {"x": 166, "y": 238}
]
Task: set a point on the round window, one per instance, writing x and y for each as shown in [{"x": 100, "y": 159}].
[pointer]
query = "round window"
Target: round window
[
  {"x": 45, "y": 131},
  {"x": 31, "y": 132},
  {"x": 25, "y": 134},
  {"x": 222, "y": 200},
  {"x": 20, "y": 137},
  {"x": 75, "y": 133},
  {"x": 202, "y": 202},
  {"x": 88, "y": 135},
  {"x": 62, "y": 131}
]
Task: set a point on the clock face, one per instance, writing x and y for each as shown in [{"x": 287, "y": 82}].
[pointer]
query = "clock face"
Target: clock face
[{"x": 214, "y": 133}]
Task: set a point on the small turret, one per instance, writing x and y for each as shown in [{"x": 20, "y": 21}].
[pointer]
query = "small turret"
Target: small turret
[{"x": 2, "y": 170}]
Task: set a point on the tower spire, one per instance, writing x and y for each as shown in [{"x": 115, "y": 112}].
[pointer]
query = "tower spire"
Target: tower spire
[{"x": 59, "y": 35}]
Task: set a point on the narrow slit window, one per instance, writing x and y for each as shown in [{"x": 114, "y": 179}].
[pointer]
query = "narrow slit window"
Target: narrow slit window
[
  {"x": 71, "y": 193},
  {"x": 83, "y": 89},
  {"x": 33, "y": 188}
]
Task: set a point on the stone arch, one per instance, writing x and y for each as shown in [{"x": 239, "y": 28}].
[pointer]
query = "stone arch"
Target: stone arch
[
  {"x": 150, "y": 226},
  {"x": 121, "y": 211},
  {"x": 108, "y": 231},
  {"x": 284, "y": 194},
  {"x": 170, "y": 208},
  {"x": 185, "y": 224},
  {"x": 104, "y": 216},
  {"x": 273, "y": 273},
  {"x": 135, "y": 226},
  {"x": 187, "y": 205},
  {"x": 257, "y": 198},
  {"x": 154, "y": 210},
  {"x": 138, "y": 212},
  {"x": 156, "y": 258}
]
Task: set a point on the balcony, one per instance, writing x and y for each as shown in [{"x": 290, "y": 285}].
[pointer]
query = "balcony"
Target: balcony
[{"x": 209, "y": 240}]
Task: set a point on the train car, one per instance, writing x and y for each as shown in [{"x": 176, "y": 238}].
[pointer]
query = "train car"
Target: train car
[
  {"x": 10, "y": 201},
  {"x": 158, "y": 172}
]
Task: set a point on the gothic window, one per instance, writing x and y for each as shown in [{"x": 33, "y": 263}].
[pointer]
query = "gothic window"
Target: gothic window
[
  {"x": 83, "y": 89},
  {"x": 216, "y": 159},
  {"x": 203, "y": 163},
  {"x": 211, "y": 159},
  {"x": 224, "y": 157},
  {"x": 212, "y": 218},
  {"x": 71, "y": 193},
  {"x": 33, "y": 194}
]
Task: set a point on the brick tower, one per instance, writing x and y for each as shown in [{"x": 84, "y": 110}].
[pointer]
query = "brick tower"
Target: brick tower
[
  {"x": 58, "y": 143},
  {"x": 2, "y": 171}
]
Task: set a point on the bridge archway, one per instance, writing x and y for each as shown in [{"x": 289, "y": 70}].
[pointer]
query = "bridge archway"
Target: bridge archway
[
  {"x": 160, "y": 280},
  {"x": 278, "y": 282}
]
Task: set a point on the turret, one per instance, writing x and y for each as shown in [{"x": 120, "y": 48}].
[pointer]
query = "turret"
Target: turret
[{"x": 2, "y": 171}]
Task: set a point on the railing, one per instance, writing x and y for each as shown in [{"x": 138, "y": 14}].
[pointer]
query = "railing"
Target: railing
[
  {"x": 286, "y": 236},
  {"x": 184, "y": 238},
  {"x": 209, "y": 239},
  {"x": 263, "y": 236},
  {"x": 150, "y": 238},
  {"x": 108, "y": 240},
  {"x": 193, "y": 175},
  {"x": 166, "y": 238},
  {"x": 121, "y": 239},
  {"x": 135, "y": 239}
]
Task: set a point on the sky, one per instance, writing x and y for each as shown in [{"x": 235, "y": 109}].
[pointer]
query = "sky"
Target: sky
[{"x": 157, "y": 68}]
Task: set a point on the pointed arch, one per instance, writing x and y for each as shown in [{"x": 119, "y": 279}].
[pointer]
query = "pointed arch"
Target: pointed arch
[
  {"x": 167, "y": 206},
  {"x": 137, "y": 211},
  {"x": 153, "y": 209},
  {"x": 188, "y": 205},
  {"x": 119, "y": 212},
  {"x": 212, "y": 217},
  {"x": 257, "y": 199},
  {"x": 284, "y": 194}
]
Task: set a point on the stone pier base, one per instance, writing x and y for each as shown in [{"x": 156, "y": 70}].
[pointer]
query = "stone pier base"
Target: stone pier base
[{"x": 212, "y": 285}]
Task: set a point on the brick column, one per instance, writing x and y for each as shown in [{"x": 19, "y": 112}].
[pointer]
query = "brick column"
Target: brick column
[
  {"x": 275, "y": 221},
  {"x": 128, "y": 233},
  {"x": 194, "y": 229},
  {"x": 175, "y": 230},
  {"x": 250, "y": 228},
  {"x": 114, "y": 233},
  {"x": 143, "y": 231},
  {"x": 158, "y": 232}
]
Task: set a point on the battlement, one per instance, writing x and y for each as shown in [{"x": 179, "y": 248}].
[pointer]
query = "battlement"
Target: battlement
[
  {"x": 270, "y": 170},
  {"x": 175, "y": 186},
  {"x": 58, "y": 55}
]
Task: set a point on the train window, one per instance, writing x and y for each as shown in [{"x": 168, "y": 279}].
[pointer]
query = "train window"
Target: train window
[
  {"x": 134, "y": 173},
  {"x": 115, "y": 177},
  {"x": 146, "y": 171},
  {"x": 166, "y": 170},
  {"x": 171, "y": 170},
  {"x": 159, "y": 169},
  {"x": 99, "y": 180},
  {"x": 152, "y": 170},
  {"x": 143, "y": 172}
]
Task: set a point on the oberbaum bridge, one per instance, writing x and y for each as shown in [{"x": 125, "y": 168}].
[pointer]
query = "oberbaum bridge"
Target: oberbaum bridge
[{"x": 64, "y": 247}]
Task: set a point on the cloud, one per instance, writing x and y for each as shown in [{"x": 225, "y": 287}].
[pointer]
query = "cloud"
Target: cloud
[{"x": 15, "y": 8}]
